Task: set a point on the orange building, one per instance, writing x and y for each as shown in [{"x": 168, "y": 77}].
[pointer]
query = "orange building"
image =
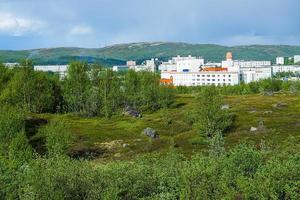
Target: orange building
[{"x": 166, "y": 81}]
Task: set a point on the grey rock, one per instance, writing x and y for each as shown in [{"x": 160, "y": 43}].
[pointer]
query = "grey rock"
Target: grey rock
[
  {"x": 151, "y": 133},
  {"x": 269, "y": 93},
  {"x": 125, "y": 145},
  {"x": 225, "y": 107},
  {"x": 252, "y": 111},
  {"x": 253, "y": 129},
  {"x": 280, "y": 105},
  {"x": 129, "y": 111},
  {"x": 261, "y": 125}
]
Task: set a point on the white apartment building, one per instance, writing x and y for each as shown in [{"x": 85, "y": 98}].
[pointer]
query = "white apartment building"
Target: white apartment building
[
  {"x": 285, "y": 68},
  {"x": 248, "y": 64},
  {"x": 297, "y": 59},
  {"x": 251, "y": 74},
  {"x": 59, "y": 69},
  {"x": 232, "y": 72},
  {"x": 11, "y": 64},
  {"x": 279, "y": 60},
  {"x": 202, "y": 78},
  {"x": 182, "y": 64},
  {"x": 148, "y": 65}
]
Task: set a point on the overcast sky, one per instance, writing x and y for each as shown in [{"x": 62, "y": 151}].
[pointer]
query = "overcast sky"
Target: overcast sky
[{"x": 26, "y": 24}]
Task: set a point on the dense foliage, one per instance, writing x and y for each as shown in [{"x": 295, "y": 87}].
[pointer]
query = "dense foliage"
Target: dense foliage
[
  {"x": 86, "y": 90},
  {"x": 244, "y": 172}
]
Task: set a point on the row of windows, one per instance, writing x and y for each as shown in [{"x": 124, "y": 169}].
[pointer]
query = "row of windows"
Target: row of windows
[
  {"x": 219, "y": 84},
  {"x": 213, "y": 75},
  {"x": 224, "y": 80}
]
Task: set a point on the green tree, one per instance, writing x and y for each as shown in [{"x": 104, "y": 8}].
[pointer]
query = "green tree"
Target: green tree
[
  {"x": 30, "y": 90},
  {"x": 76, "y": 87},
  {"x": 210, "y": 117},
  {"x": 110, "y": 93}
]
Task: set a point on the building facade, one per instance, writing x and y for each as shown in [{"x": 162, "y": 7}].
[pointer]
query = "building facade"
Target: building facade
[{"x": 297, "y": 59}]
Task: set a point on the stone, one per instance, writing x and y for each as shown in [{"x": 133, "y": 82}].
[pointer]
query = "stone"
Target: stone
[
  {"x": 269, "y": 93},
  {"x": 129, "y": 111},
  {"x": 125, "y": 145},
  {"x": 225, "y": 107},
  {"x": 253, "y": 129},
  {"x": 261, "y": 125},
  {"x": 151, "y": 133},
  {"x": 280, "y": 105},
  {"x": 252, "y": 111}
]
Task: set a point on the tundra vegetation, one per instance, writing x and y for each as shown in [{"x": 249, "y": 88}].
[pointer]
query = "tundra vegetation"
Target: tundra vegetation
[{"x": 204, "y": 151}]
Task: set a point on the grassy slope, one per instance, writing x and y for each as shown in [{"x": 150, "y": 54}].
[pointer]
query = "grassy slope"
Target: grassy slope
[
  {"x": 110, "y": 134},
  {"x": 117, "y": 54}
]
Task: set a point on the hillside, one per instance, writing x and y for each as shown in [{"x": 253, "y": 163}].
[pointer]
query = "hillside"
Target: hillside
[
  {"x": 118, "y": 54},
  {"x": 103, "y": 138}
]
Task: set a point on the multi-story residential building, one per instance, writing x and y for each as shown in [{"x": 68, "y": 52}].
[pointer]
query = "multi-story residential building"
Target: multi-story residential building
[
  {"x": 297, "y": 59},
  {"x": 11, "y": 64},
  {"x": 252, "y": 74},
  {"x": 280, "y": 60},
  {"x": 201, "y": 78},
  {"x": 148, "y": 65},
  {"x": 285, "y": 68},
  {"x": 232, "y": 72},
  {"x": 182, "y": 64},
  {"x": 59, "y": 69}
]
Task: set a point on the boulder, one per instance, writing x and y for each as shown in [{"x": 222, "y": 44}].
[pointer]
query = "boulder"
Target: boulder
[
  {"x": 125, "y": 145},
  {"x": 252, "y": 111},
  {"x": 267, "y": 112},
  {"x": 280, "y": 105},
  {"x": 129, "y": 111},
  {"x": 253, "y": 129},
  {"x": 261, "y": 125},
  {"x": 225, "y": 107},
  {"x": 151, "y": 133},
  {"x": 269, "y": 93}
]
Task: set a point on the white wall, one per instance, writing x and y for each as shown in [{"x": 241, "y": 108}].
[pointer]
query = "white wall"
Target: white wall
[
  {"x": 280, "y": 61},
  {"x": 202, "y": 78},
  {"x": 296, "y": 58}
]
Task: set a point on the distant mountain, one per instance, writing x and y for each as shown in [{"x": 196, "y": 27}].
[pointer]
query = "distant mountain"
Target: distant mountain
[{"x": 118, "y": 54}]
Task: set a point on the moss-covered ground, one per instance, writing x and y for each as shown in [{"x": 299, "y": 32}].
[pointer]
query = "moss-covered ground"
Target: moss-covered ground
[{"x": 121, "y": 136}]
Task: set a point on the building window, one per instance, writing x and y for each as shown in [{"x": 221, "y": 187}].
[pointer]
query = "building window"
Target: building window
[
  {"x": 229, "y": 75},
  {"x": 213, "y": 75},
  {"x": 213, "y": 79},
  {"x": 208, "y": 75},
  {"x": 229, "y": 79},
  {"x": 198, "y": 75},
  {"x": 208, "y": 79},
  {"x": 203, "y": 75},
  {"x": 224, "y": 80}
]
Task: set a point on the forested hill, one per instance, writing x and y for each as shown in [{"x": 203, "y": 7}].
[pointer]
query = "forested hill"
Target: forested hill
[{"x": 118, "y": 54}]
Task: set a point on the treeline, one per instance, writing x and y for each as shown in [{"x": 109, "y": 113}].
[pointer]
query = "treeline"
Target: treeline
[
  {"x": 243, "y": 172},
  {"x": 265, "y": 86},
  {"x": 87, "y": 89}
]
